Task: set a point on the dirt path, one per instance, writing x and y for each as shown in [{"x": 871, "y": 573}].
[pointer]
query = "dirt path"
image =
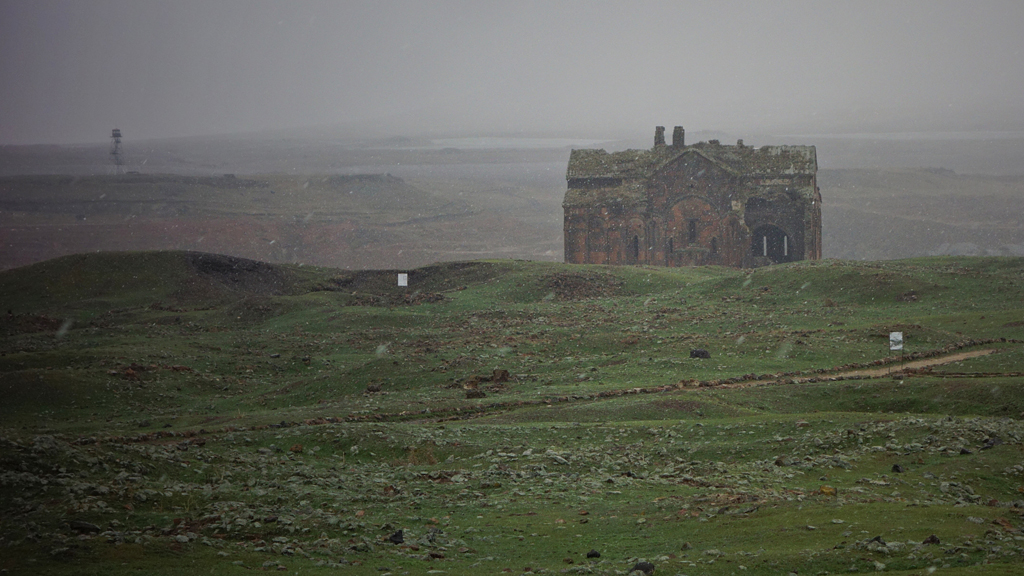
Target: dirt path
[
  {"x": 938, "y": 361},
  {"x": 876, "y": 372}
]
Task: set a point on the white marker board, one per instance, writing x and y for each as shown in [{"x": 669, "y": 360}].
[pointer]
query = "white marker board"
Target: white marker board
[
  {"x": 403, "y": 279},
  {"x": 895, "y": 340}
]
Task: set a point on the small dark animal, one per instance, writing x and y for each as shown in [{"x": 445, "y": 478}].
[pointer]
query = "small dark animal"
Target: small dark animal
[
  {"x": 397, "y": 538},
  {"x": 645, "y": 567},
  {"x": 593, "y": 554},
  {"x": 898, "y": 469},
  {"x": 699, "y": 353}
]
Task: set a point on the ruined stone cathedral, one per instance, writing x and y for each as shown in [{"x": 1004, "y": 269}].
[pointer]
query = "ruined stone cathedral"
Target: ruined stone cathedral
[{"x": 706, "y": 203}]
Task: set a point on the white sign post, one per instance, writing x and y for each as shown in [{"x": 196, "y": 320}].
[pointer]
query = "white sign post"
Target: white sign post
[
  {"x": 403, "y": 279},
  {"x": 896, "y": 343},
  {"x": 895, "y": 340}
]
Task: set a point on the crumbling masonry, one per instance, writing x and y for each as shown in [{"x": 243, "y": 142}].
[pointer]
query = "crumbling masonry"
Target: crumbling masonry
[{"x": 706, "y": 203}]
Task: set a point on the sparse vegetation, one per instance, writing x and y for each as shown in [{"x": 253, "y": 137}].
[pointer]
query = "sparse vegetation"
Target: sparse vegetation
[{"x": 177, "y": 413}]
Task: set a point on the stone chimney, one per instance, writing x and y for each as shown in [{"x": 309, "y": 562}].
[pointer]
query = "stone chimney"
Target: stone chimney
[
  {"x": 659, "y": 135},
  {"x": 678, "y": 135}
]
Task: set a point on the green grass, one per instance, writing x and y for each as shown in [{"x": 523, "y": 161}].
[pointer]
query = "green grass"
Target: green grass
[{"x": 322, "y": 409}]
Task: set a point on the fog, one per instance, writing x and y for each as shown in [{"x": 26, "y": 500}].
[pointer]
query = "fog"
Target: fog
[{"x": 70, "y": 71}]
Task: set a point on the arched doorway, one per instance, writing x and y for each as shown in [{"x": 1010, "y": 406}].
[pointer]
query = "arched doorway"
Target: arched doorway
[{"x": 773, "y": 243}]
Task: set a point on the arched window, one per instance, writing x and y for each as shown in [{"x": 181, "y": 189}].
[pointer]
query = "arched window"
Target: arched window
[{"x": 691, "y": 232}]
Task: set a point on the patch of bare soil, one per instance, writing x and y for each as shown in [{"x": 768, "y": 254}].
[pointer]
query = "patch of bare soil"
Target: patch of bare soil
[
  {"x": 389, "y": 300},
  {"x": 582, "y": 285},
  {"x": 25, "y": 323},
  {"x": 240, "y": 274}
]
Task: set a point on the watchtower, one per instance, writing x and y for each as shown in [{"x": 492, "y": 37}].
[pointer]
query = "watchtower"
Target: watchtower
[{"x": 116, "y": 156}]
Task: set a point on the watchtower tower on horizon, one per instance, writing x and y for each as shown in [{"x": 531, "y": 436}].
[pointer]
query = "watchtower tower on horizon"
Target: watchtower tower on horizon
[{"x": 116, "y": 155}]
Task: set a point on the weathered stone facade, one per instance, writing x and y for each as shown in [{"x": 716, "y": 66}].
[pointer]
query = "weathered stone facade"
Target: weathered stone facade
[{"x": 707, "y": 203}]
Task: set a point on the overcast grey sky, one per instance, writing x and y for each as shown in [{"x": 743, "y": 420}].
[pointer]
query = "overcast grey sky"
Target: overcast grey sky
[{"x": 72, "y": 70}]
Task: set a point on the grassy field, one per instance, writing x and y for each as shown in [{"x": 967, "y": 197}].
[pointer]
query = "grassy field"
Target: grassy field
[{"x": 186, "y": 413}]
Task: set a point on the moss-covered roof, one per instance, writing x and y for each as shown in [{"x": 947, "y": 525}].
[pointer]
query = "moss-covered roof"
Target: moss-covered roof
[
  {"x": 742, "y": 160},
  {"x": 628, "y": 164},
  {"x": 629, "y": 193}
]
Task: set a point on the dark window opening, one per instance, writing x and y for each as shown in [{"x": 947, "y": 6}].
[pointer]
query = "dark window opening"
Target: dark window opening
[
  {"x": 670, "y": 246},
  {"x": 714, "y": 245},
  {"x": 636, "y": 247},
  {"x": 773, "y": 243},
  {"x": 691, "y": 235}
]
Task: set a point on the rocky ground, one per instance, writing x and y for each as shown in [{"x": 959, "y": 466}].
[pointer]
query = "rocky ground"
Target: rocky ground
[{"x": 208, "y": 414}]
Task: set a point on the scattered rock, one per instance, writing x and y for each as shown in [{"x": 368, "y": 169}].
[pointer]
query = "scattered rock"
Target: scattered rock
[
  {"x": 1003, "y": 523},
  {"x": 397, "y": 538},
  {"x": 898, "y": 469},
  {"x": 82, "y": 526},
  {"x": 645, "y": 567},
  {"x": 593, "y": 554},
  {"x": 701, "y": 354},
  {"x": 582, "y": 285},
  {"x": 910, "y": 296},
  {"x": 991, "y": 443},
  {"x": 933, "y": 539}
]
